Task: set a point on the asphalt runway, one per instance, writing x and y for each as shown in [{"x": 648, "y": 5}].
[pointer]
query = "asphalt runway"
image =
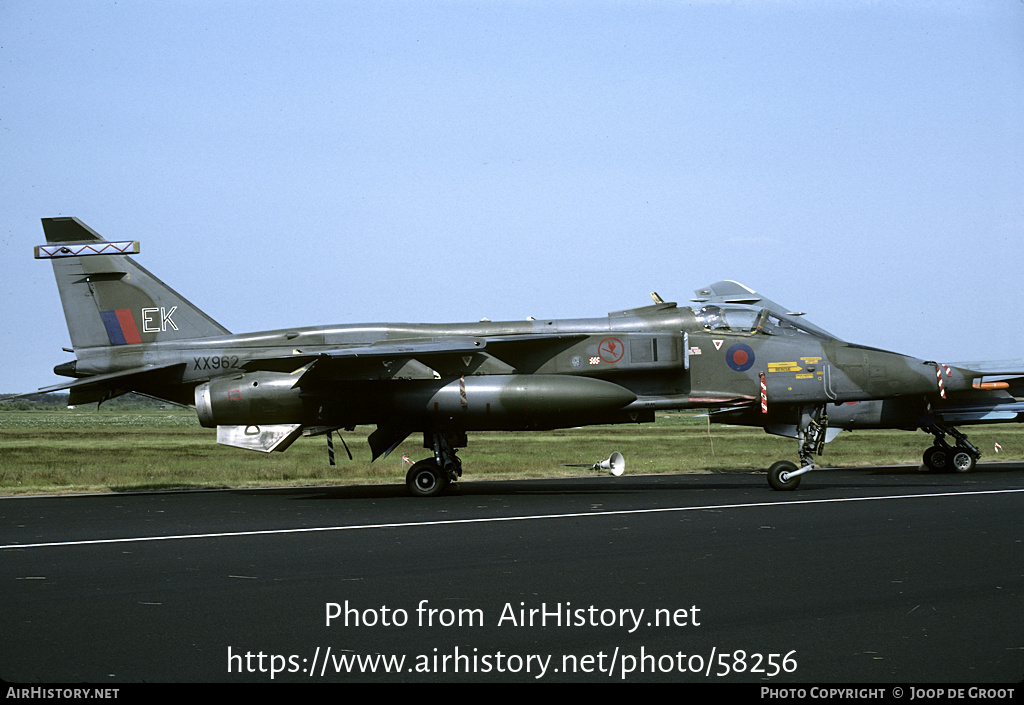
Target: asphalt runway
[{"x": 879, "y": 575}]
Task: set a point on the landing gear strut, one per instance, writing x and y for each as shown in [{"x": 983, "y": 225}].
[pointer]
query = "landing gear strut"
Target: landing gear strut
[
  {"x": 785, "y": 475},
  {"x": 430, "y": 477},
  {"x": 942, "y": 457}
]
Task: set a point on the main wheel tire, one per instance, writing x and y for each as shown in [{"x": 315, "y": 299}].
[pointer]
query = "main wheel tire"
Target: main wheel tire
[
  {"x": 775, "y": 476},
  {"x": 962, "y": 461},
  {"x": 426, "y": 479},
  {"x": 936, "y": 459}
]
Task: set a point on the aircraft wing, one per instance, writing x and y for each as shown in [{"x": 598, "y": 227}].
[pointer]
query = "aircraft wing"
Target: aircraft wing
[
  {"x": 431, "y": 346},
  {"x": 981, "y": 412},
  {"x": 1004, "y": 375},
  {"x": 427, "y": 358},
  {"x": 1004, "y": 368}
]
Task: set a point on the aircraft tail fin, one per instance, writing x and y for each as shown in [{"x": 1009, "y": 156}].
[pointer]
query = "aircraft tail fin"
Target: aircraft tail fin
[{"x": 108, "y": 298}]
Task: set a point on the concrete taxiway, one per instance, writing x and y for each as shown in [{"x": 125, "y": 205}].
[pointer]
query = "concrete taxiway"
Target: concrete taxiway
[{"x": 870, "y": 575}]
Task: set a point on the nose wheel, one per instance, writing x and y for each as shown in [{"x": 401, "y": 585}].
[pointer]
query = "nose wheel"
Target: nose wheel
[{"x": 780, "y": 476}]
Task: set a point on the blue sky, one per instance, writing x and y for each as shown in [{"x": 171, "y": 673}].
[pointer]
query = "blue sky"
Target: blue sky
[{"x": 302, "y": 163}]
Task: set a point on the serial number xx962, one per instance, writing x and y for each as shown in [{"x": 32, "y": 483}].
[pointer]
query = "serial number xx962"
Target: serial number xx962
[{"x": 224, "y": 362}]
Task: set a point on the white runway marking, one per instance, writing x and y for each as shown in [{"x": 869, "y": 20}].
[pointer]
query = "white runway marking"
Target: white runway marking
[{"x": 493, "y": 520}]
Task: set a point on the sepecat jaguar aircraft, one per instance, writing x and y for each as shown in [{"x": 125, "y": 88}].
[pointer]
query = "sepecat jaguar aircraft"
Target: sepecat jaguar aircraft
[{"x": 737, "y": 353}]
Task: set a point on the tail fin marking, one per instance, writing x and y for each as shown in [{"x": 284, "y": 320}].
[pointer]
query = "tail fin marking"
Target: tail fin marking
[{"x": 121, "y": 328}]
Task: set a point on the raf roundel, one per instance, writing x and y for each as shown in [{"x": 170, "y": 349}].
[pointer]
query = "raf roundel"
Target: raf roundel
[{"x": 740, "y": 357}]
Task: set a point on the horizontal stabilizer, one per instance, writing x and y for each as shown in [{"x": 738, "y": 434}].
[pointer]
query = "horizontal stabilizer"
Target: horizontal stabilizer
[
  {"x": 126, "y": 380},
  {"x": 150, "y": 380}
]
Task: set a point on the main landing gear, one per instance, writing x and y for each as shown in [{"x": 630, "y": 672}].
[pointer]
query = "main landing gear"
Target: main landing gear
[
  {"x": 432, "y": 476},
  {"x": 785, "y": 475},
  {"x": 942, "y": 457}
]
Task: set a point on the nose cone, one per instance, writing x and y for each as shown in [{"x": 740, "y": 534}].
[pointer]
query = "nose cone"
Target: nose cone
[
  {"x": 866, "y": 373},
  {"x": 891, "y": 374}
]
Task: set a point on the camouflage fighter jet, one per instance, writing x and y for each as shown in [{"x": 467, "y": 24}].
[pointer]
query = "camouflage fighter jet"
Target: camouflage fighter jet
[{"x": 130, "y": 332}]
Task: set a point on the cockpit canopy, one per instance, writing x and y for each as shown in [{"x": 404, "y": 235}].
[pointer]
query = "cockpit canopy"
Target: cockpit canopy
[{"x": 751, "y": 319}]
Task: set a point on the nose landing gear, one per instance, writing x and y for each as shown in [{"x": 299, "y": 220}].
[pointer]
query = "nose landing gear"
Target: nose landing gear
[{"x": 811, "y": 431}]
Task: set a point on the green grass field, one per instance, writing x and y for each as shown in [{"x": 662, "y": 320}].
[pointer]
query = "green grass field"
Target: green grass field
[{"x": 114, "y": 451}]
